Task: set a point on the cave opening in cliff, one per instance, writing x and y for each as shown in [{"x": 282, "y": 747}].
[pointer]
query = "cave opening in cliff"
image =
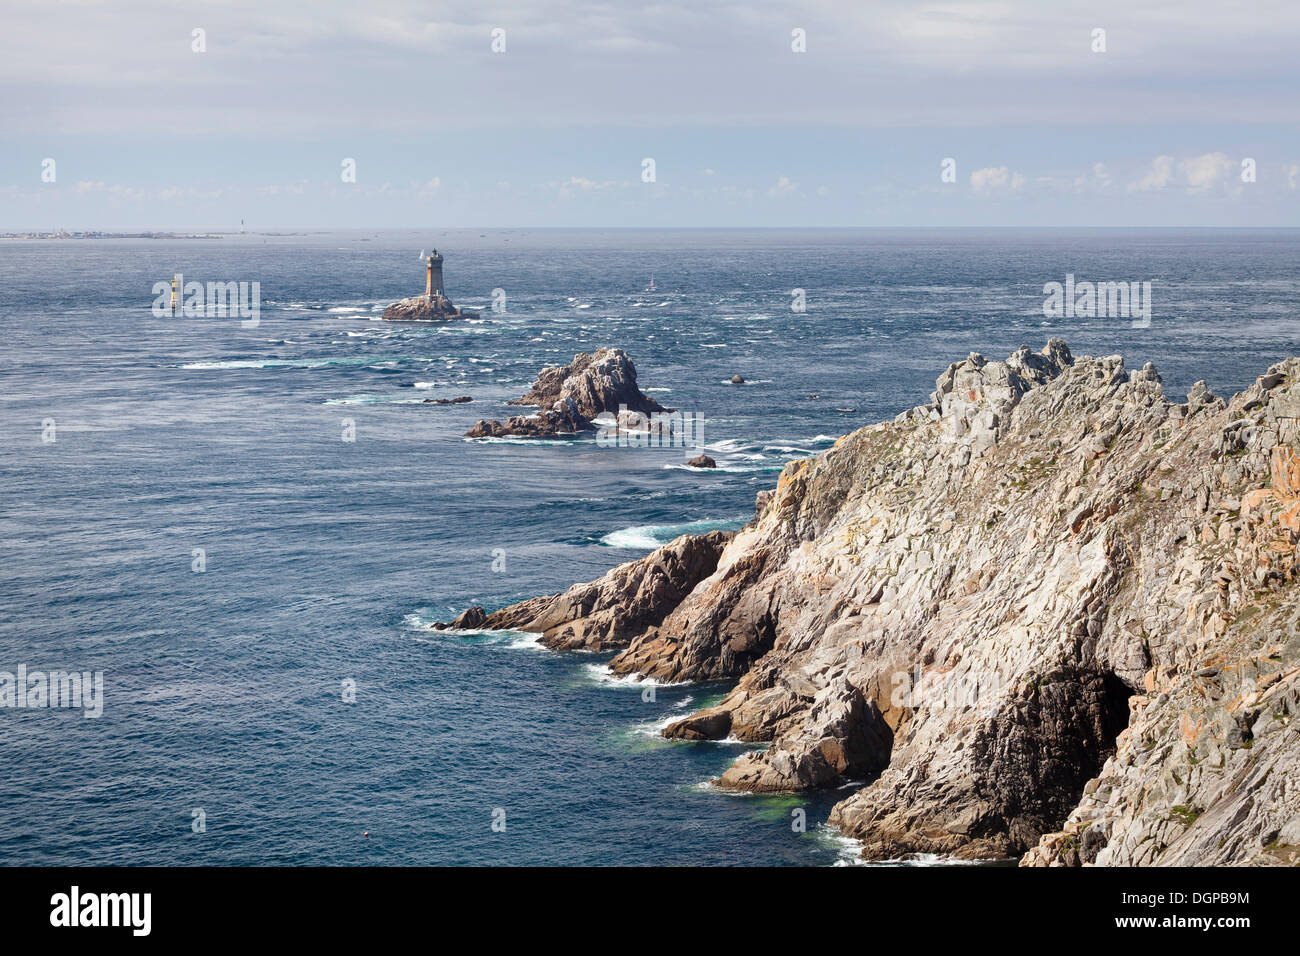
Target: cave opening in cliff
[
  {"x": 1043, "y": 753},
  {"x": 1115, "y": 712}
]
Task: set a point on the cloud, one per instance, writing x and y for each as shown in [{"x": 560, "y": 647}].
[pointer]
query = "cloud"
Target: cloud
[
  {"x": 1097, "y": 176},
  {"x": 129, "y": 193},
  {"x": 289, "y": 189},
  {"x": 1205, "y": 172},
  {"x": 996, "y": 177},
  {"x": 1293, "y": 176},
  {"x": 784, "y": 186},
  {"x": 127, "y": 67},
  {"x": 1195, "y": 174},
  {"x": 581, "y": 184},
  {"x": 1159, "y": 175}
]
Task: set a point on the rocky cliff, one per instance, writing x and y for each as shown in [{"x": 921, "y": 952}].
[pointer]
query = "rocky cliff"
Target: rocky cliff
[{"x": 1049, "y": 614}]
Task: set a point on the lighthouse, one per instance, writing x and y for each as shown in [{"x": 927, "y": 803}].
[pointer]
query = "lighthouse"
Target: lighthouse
[
  {"x": 433, "y": 282},
  {"x": 433, "y": 306}
]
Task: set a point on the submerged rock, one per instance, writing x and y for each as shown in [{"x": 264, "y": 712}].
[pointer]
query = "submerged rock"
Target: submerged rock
[
  {"x": 702, "y": 461},
  {"x": 458, "y": 400},
  {"x": 1050, "y": 613}
]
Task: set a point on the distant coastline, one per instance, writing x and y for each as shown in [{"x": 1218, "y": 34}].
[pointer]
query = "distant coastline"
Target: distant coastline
[{"x": 138, "y": 235}]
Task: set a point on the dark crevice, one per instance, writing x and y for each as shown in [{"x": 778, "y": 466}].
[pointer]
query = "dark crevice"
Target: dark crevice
[{"x": 1057, "y": 738}]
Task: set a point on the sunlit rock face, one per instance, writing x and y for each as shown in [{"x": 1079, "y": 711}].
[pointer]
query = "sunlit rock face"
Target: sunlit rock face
[{"x": 1049, "y": 614}]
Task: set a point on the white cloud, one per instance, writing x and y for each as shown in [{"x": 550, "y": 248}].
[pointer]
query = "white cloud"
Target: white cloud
[
  {"x": 784, "y": 187},
  {"x": 1205, "y": 172},
  {"x": 1159, "y": 175},
  {"x": 1097, "y": 176},
  {"x": 996, "y": 177},
  {"x": 581, "y": 184},
  {"x": 1195, "y": 173}
]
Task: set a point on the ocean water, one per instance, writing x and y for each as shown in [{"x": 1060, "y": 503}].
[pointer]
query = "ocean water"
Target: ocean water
[{"x": 325, "y": 559}]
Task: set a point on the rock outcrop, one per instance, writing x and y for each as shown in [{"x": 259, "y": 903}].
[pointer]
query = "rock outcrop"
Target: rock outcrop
[
  {"x": 570, "y": 398},
  {"x": 609, "y": 612},
  {"x": 426, "y": 308},
  {"x": 1049, "y": 614}
]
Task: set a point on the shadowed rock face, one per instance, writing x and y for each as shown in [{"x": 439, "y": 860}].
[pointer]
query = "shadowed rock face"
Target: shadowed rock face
[
  {"x": 571, "y": 396},
  {"x": 560, "y": 419},
  {"x": 1050, "y": 613}
]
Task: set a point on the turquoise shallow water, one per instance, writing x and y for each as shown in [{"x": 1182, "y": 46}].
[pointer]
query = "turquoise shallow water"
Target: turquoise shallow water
[{"x": 325, "y": 558}]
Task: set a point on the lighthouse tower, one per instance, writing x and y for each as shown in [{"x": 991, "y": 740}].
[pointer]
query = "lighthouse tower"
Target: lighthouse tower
[{"x": 433, "y": 282}]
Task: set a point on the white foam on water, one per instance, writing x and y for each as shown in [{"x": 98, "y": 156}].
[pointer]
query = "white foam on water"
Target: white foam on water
[
  {"x": 301, "y": 363},
  {"x": 651, "y": 536},
  {"x": 655, "y": 728},
  {"x": 371, "y": 400},
  {"x": 567, "y": 438},
  {"x": 727, "y": 444},
  {"x": 602, "y": 676},
  {"x": 725, "y": 467},
  {"x": 508, "y": 638}
]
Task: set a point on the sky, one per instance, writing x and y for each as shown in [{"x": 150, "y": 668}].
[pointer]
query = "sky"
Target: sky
[{"x": 143, "y": 114}]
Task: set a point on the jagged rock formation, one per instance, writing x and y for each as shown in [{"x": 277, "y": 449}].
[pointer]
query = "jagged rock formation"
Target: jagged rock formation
[
  {"x": 1050, "y": 613},
  {"x": 607, "y": 613},
  {"x": 572, "y": 396}
]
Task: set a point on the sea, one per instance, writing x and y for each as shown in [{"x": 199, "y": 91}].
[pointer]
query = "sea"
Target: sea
[{"x": 246, "y": 528}]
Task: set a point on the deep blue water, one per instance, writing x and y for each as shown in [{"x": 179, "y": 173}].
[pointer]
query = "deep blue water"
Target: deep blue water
[{"x": 325, "y": 558}]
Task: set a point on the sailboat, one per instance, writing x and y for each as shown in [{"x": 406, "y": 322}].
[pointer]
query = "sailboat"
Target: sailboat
[{"x": 651, "y": 286}]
